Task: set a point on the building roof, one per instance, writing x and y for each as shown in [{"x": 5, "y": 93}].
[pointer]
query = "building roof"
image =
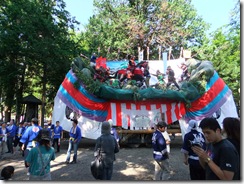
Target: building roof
[{"x": 31, "y": 99}]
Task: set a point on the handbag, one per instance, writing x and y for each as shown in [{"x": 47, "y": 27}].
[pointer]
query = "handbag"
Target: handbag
[{"x": 97, "y": 165}]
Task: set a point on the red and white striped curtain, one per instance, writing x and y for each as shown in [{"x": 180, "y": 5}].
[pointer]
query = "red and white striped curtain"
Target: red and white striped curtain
[{"x": 144, "y": 115}]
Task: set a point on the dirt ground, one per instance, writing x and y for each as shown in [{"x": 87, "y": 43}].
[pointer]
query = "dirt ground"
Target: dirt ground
[{"x": 132, "y": 164}]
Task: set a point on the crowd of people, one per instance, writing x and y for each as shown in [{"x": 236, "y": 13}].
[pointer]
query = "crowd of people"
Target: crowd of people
[
  {"x": 38, "y": 144},
  {"x": 34, "y": 142},
  {"x": 211, "y": 152},
  {"x": 142, "y": 74}
]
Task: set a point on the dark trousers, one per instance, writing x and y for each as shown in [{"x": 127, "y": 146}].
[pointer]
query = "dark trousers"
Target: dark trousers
[
  {"x": 108, "y": 171},
  {"x": 196, "y": 172},
  {"x": 10, "y": 141},
  {"x": 17, "y": 142},
  {"x": 26, "y": 152},
  {"x": 174, "y": 82},
  {"x": 56, "y": 141}
]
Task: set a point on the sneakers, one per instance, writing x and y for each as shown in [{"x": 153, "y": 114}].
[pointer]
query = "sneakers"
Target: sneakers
[{"x": 67, "y": 162}]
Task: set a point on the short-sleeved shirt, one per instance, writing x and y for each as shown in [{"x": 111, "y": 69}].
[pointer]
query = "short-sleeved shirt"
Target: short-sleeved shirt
[
  {"x": 57, "y": 132},
  {"x": 34, "y": 159},
  {"x": 225, "y": 155},
  {"x": 193, "y": 136},
  {"x": 75, "y": 133},
  {"x": 30, "y": 134}
]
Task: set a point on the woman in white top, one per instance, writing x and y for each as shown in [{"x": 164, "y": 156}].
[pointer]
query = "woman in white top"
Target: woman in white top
[{"x": 3, "y": 138}]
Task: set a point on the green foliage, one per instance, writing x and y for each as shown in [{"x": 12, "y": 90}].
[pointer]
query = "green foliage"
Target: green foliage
[
  {"x": 223, "y": 49},
  {"x": 227, "y": 60},
  {"x": 119, "y": 27},
  {"x": 78, "y": 67},
  {"x": 36, "y": 46}
]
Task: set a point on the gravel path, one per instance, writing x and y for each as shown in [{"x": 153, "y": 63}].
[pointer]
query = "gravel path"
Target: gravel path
[{"x": 132, "y": 164}]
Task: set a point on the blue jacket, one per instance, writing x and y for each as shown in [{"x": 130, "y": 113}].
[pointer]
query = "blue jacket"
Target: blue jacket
[
  {"x": 21, "y": 133},
  {"x": 57, "y": 132},
  {"x": 1, "y": 132},
  {"x": 195, "y": 137},
  {"x": 30, "y": 134},
  {"x": 76, "y": 135},
  {"x": 115, "y": 134},
  {"x": 159, "y": 146},
  {"x": 12, "y": 130}
]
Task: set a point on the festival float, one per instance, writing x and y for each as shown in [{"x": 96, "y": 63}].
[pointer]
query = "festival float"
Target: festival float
[{"x": 94, "y": 95}]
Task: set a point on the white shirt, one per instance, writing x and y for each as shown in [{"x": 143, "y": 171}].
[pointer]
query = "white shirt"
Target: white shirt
[
  {"x": 167, "y": 138},
  {"x": 4, "y": 135}
]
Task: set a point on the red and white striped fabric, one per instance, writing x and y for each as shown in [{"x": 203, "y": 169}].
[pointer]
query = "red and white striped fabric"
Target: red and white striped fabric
[{"x": 143, "y": 114}]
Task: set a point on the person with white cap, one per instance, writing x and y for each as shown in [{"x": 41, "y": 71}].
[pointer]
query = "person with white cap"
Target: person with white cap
[
  {"x": 193, "y": 138},
  {"x": 46, "y": 126},
  {"x": 11, "y": 131},
  {"x": 3, "y": 138},
  {"x": 114, "y": 131},
  {"x": 93, "y": 60}
]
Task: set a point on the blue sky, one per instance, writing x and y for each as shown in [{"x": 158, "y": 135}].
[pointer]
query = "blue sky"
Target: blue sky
[{"x": 215, "y": 12}]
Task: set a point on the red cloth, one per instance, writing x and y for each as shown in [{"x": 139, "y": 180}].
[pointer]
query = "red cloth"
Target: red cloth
[{"x": 101, "y": 62}]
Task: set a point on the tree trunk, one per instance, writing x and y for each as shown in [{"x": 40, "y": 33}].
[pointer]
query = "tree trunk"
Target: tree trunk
[
  {"x": 44, "y": 94},
  {"x": 7, "y": 114},
  {"x": 19, "y": 94},
  {"x": 1, "y": 106}
]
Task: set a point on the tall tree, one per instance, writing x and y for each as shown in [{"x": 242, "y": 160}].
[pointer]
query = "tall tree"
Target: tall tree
[
  {"x": 38, "y": 49},
  {"x": 125, "y": 25}
]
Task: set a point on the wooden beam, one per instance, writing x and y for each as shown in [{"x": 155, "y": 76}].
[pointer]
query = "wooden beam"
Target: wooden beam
[{"x": 150, "y": 131}]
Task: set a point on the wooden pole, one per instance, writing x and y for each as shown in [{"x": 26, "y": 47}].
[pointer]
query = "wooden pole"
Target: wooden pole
[
  {"x": 98, "y": 50},
  {"x": 147, "y": 53},
  {"x": 181, "y": 52},
  {"x": 163, "y": 116},
  {"x": 169, "y": 52},
  {"x": 139, "y": 48},
  {"x": 159, "y": 52}
]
